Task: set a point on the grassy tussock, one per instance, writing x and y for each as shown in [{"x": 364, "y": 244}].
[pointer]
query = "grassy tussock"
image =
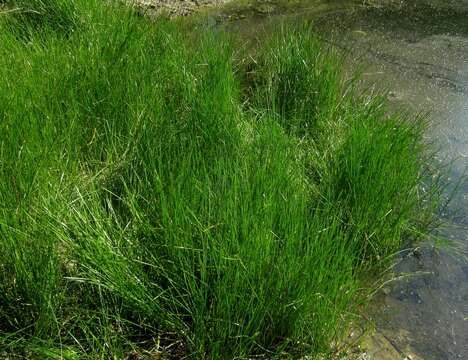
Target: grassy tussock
[{"x": 142, "y": 196}]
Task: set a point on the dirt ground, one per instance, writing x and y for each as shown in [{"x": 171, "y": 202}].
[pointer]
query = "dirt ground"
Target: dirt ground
[{"x": 176, "y": 7}]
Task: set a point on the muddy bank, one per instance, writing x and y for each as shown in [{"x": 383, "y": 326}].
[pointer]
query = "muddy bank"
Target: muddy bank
[{"x": 176, "y": 7}]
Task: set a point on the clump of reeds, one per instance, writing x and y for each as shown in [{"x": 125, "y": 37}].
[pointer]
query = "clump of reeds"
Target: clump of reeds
[{"x": 143, "y": 198}]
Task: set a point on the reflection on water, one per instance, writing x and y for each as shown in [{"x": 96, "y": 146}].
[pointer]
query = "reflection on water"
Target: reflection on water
[{"x": 419, "y": 51}]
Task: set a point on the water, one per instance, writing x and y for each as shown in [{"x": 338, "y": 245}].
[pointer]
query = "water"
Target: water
[{"x": 418, "y": 50}]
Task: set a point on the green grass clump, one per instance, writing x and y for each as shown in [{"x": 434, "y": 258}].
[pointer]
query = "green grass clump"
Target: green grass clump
[
  {"x": 29, "y": 17},
  {"x": 145, "y": 199}
]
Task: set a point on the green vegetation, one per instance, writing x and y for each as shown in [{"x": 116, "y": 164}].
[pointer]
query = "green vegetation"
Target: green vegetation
[{"x": 156, "y": 189}]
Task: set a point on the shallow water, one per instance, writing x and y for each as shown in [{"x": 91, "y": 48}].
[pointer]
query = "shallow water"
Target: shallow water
[{"x": 418, "y": 51}]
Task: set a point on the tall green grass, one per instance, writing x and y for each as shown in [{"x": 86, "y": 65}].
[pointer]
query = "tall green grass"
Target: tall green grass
[{"x": 147, "y": 204}]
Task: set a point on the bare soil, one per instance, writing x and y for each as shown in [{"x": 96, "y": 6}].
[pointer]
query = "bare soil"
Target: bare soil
[{"x": 176, "y": 7}]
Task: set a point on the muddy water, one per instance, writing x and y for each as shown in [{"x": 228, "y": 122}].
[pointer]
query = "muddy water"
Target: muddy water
[{"x": 417, "y": 50}]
